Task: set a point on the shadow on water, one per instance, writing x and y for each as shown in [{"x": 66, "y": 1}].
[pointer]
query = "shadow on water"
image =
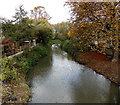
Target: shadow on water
[
  {"x": 94, "y": 88},
  {"x": 114, "y": 94},
  {"x": 58, "y": 79},
  {"x": 41, "y": 69}
]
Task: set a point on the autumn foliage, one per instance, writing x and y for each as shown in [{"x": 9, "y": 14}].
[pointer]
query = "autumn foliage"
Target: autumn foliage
[{"x": 96, "y": 23}]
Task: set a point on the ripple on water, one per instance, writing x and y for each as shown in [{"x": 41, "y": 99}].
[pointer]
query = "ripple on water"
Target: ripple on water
[{"x": 57, "y": 78}]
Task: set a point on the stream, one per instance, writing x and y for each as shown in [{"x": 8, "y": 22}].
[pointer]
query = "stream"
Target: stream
[{"x": 57, "y": 78}]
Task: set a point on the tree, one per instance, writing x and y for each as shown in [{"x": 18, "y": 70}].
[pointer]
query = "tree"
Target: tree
[
  {"x": 19, "y": 29},
  {"x": 39, "y": 13},
  {"x": 61, "y": 30},
  {"x": 20, "y": 14},
  {"x": 22, "y": 28},
  {"x": 97, "y": 21},
  {"x": 43, "y": 31}
]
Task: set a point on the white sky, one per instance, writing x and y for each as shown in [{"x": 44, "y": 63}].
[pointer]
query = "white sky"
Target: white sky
[{"x": 54, "y": 8}]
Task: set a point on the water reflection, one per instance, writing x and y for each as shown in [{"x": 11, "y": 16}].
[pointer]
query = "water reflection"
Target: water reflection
[
  {"x": 41, "y": 70},
  {"x": 59, "y": 79}
]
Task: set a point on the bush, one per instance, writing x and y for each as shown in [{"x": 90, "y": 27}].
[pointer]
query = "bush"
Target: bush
[
  {"x": 39, "y": 50},
  {"x": 9, "y": 72},
  {"x": 26, "y": 50},
  {"x": 73, "y": 47},
  {"x": 30, "y": 56},
  {"x": 10, "y": 67},
  {"x": 56, "y": 41},
  {"x": 68, "y": 46},
  {"x": 22, "y": 64}
]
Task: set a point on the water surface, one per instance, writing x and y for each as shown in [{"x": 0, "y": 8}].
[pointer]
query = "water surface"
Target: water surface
[{"x": 58, "y": 79}]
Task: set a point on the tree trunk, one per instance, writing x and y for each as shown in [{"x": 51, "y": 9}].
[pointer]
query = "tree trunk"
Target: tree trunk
[
  {"x": 117, "y": 66},
  {"x": 115, "y": 56}
]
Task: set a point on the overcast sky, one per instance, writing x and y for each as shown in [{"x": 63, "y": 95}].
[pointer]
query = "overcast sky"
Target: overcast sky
[{"x": 54, "y": 8}]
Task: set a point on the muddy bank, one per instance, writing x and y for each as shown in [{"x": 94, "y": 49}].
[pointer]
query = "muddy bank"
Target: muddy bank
[
  {"x": 18, "y": 92},
  {"x": 101, "y": 64}
]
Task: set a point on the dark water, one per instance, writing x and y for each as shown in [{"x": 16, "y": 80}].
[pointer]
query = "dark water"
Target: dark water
[{"x": 59, "y": 79}]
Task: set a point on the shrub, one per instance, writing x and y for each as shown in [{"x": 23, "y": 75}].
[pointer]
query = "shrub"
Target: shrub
[
  {"x": 68, "y": 47},
  {"x": 22, "y": 64},
  {"x": 9, "y": 72},
  {"x": 26, "y": 50},
  {"x": 39, "y": 50},
  {"x": 73, "y": 47},
  {"x": 56, "y": 41},
  {"x": 29, "y": 57}
]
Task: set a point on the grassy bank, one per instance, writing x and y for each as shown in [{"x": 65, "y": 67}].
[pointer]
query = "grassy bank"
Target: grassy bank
[{"x": 15, "y": 88}]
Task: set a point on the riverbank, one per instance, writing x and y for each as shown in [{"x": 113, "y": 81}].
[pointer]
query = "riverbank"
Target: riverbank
[
  {"x": 14, "y": 70},
  {"x": 18, "y": 92},
  {"x": 101, "y": 64}
]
